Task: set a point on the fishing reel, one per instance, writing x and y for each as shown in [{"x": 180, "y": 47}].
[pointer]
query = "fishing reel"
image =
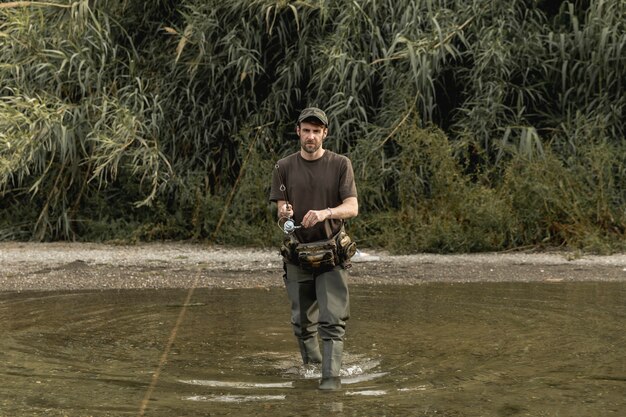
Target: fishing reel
[{"x": 288, "y": 225}]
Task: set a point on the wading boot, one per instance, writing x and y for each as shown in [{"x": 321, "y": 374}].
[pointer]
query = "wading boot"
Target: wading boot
[
  {"x": 331, "y": 365},
  {"x": 310, "y": 350}
]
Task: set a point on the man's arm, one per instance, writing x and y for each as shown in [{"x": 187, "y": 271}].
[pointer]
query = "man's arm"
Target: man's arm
[{"x": 346, "y": 210}]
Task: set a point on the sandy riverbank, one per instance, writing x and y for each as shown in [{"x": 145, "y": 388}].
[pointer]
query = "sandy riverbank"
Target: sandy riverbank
[{"x": 88, "y": 266}]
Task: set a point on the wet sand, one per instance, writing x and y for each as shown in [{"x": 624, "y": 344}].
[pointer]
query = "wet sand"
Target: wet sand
[{"x": 90, "y": 266}]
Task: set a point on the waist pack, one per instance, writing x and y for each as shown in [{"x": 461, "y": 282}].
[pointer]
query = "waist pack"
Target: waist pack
[{"x": 320, "y": 254}]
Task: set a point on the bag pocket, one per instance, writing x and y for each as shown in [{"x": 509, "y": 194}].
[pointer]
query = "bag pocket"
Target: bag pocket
[
  {"x": 288, "y": 249},
  {"x": 346, "y": 246},
  {"x": 315, "y": 255}
]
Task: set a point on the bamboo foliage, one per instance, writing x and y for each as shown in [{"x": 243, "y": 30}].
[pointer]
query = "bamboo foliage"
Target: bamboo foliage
[
  {"x": 586, "y": 71},
  {"x": 72, "y": 118},
  {"x": 173, "y": 113}
]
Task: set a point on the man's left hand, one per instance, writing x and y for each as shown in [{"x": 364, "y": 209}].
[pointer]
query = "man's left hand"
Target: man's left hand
[{"x": 313, "y": 217}]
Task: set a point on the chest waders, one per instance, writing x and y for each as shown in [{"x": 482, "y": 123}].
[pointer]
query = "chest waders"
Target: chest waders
[{"x": 319, "y": 305}]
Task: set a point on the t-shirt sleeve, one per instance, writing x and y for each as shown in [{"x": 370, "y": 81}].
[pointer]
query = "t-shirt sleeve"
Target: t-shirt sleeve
[{"x": 347, "y": 186}]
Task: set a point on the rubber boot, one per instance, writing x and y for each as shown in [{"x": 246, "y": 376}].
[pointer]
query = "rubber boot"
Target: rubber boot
[
  {"x": 310, "y": 350},
  {"x": 331, "y": 365}
]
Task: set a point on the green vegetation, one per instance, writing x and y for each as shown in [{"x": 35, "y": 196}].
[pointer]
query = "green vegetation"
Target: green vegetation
[{"x": 473, "y": 125}]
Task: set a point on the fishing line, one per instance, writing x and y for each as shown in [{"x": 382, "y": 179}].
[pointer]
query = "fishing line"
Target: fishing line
[
  {"x": 181, "y": 315},
  {"x": 166, "y": 352}
]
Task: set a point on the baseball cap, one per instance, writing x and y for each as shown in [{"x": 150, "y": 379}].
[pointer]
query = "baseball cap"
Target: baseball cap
[{"x": 313, "y": 112}]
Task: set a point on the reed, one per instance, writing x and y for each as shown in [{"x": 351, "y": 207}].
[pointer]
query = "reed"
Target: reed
[{"x": 472, "y": 125}]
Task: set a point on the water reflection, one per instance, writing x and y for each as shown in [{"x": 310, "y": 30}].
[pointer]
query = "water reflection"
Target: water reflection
[{"x": 437, "y": 349}]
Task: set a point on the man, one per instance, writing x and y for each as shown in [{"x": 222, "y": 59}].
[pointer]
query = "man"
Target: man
[{"x": 315, "y": 188}]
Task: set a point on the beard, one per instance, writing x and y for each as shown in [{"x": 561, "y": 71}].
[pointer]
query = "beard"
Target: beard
[{"x": 311, "y": 147}]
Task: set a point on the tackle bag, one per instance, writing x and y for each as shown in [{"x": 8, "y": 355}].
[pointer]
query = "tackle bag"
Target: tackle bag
[{"x": 320, "y": 254}]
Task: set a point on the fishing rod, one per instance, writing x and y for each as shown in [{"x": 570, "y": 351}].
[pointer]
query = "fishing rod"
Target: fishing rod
[{"x": 289, "y": 226}]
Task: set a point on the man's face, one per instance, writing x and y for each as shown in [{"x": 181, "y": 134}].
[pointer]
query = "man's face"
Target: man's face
[{"x": 311, "y": 136}]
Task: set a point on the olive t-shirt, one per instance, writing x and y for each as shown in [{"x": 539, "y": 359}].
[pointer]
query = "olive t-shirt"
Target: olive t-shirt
[{"x": 314, "y": 185}]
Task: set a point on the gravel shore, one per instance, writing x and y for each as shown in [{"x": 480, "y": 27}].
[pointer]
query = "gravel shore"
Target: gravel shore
[{"x": 89, "y": 266}]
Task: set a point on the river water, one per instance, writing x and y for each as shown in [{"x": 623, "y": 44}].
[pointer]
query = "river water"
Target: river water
[{"x": 504, "y": 349}]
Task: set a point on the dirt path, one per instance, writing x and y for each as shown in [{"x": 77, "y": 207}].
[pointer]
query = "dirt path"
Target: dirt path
[{"x": 88, "y": 266}]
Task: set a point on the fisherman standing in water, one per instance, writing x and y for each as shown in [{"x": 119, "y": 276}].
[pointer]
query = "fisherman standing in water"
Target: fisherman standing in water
[{"x": 315, "y": 189}]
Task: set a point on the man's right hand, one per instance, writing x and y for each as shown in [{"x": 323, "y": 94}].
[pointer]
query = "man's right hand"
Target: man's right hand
[{"x": 285, "y": 210}]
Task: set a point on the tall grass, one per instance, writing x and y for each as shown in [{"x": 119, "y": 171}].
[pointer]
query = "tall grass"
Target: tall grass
[
  {"x": 74, "y": 116},
  {"x": 472, "y": 125}
]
